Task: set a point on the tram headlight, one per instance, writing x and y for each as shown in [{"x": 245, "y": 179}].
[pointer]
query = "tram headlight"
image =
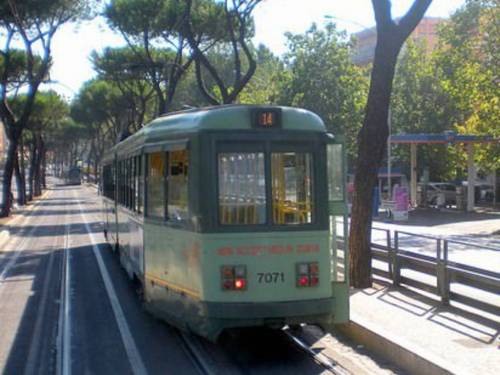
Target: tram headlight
[{"x": 234, "y": 277}]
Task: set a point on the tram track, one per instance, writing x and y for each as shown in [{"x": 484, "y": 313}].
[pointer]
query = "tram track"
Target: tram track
[
  {"x": 194, "y": 350},
  {"x": 327, "y": 363}
]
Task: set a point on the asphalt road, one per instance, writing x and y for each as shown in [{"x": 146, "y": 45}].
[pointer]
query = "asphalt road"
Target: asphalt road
[{"x": 67, "y": 307}]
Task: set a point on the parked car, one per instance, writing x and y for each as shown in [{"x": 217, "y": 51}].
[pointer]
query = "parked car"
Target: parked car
[{"x": 435, "y": 191}]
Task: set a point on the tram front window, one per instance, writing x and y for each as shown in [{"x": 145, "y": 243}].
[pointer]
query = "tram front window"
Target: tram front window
[
  {"x": 292, "y": 188},
  {"x": 242, "y": 188}
]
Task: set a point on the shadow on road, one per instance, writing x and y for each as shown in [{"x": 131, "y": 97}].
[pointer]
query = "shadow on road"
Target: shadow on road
[{"x": 54, "y": 230}]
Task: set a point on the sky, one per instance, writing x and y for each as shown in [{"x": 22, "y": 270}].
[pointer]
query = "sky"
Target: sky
[{"x": 72, "y": 44}]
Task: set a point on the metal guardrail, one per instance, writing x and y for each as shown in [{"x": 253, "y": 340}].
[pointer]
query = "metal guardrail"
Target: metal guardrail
[{"x": 439, "y": 266}]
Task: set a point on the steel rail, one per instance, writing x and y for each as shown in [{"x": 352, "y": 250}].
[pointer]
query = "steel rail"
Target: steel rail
[
  {"x": 327, "y": 363},
  {"x": 190, "y": 344}
]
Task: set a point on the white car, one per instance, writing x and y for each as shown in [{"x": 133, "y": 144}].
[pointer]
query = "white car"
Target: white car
[{"x": 441, "y": 190}]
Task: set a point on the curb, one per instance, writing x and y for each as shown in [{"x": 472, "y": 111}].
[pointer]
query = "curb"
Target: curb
[
  {"x": 5, "y": 234},
  {"x": 405, "y": 355}
]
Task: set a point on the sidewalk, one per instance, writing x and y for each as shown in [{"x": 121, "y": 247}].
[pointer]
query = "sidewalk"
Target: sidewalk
[
  {"x": 451, "y": 339},
  {"x": 18, "y": 214}
]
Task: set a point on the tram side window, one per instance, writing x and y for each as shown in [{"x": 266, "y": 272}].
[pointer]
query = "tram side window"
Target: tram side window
[
  {"x": 126, "y": 174},
  {"x": 156, "y": 185},
  {"x": 177, "y": 185},
  {"x": 124, "y": 182},
  {"x": 140, "y": 185},
  {"x": 131, "y": 179},
  {"x": 113, "y": 181},
  {"x": 120, "y": 182},
  {"x": 292, "y": 188},
  {"x": 242, "y": 188}
]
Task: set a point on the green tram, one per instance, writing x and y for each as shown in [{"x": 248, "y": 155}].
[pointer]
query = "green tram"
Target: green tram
[{"x": 224, "y": 214}]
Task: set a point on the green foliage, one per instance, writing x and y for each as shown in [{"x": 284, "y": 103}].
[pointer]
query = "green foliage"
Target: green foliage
[
  {"x": 468, "y": 60},
  {"x": 33, "y": 24},
  {"x": 49, "y": 110},
  {"x": 319, "y": 76},
  {"x": 35, "y": 12},
  {"x": 263, "y": 87},
  {"x": 101, "y": 107},
  {"x": 155, "y": 34},
  {"x": 455, "y": 88},
  {"x": 419, "y": 104},
  {"x": 163, "y": 19},
  {"x": 15, "y": 62},
  {"x": 131, "y": 79}
]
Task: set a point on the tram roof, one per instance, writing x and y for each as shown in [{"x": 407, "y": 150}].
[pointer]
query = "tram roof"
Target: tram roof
[{"x": 226, "y": 117}]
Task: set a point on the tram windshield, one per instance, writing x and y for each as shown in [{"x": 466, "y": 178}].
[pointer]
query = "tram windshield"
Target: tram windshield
[
  {"x": 242, "y": 184},
  {"x": 291, "y": 187},
  {"x": 242, "y": 188}
]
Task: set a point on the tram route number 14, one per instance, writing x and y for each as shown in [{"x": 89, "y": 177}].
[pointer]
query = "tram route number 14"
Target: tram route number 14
[{"x": 271, "y": 277}]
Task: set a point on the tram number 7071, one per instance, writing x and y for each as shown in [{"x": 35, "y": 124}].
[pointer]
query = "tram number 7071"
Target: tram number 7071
[{"x": 271, "y": 277}]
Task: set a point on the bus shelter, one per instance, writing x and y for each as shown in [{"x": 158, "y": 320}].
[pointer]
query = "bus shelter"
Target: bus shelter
[{"x": 444, "y": 138}]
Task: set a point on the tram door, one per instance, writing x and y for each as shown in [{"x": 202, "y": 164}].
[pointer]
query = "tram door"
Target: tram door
[{"x": 336, "y": 166}]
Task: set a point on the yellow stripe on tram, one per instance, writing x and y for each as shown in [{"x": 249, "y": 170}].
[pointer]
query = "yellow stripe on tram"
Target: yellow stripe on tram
[{"x": 178, "y": 288}]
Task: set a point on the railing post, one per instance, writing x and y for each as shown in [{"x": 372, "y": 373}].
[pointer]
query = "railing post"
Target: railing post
[
  {"x": 390, "y": 253},
  {"x": 442, "y": 275},
  {"x": 396, "y": 271},
  {"x": 445, "y": 297}
]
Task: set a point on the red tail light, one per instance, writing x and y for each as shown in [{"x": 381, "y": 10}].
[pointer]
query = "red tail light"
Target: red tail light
[
  {"x": 234, "y": 277},
  {"x": 240, "y": 284},
  {"x": 307, "y": 274},
  {"x": 303, "y": 281}
]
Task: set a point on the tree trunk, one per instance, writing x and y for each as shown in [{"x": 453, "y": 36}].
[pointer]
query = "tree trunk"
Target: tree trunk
[
  {"x": 23, "y": 165},
  {"x": 31, "y": 170},
  {"x": 20, "y": 182},
  {"x": 372, "y": 142},
  {"x": 38, "y": 162},
  {"x": 96, "y": 171},
  {"x": 44, "y": 168},
  {"x": 7, "y": 178},
  {"x": 372, "y": 138}
]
